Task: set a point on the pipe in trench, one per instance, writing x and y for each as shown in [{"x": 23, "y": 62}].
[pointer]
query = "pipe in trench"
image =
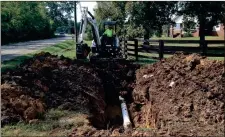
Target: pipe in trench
[{"x": 126, "y": 119}]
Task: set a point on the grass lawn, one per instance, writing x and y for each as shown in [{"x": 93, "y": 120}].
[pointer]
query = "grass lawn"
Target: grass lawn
[
  {"x": 181, "y": 44},
  {"x": 151, "y": 60},
  {"x": 189, "y": 38},
  {"x": 176, "y": 44},
  {"x": 56, "y": 123}
]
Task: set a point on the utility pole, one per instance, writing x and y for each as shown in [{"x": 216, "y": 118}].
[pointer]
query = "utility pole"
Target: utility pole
[
  {"x": 69, "y": 23},
  {"x": 75, "y": 21}
]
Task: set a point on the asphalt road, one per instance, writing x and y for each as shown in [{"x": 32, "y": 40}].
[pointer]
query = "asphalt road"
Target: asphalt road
[{"x": 11, "y": 51}]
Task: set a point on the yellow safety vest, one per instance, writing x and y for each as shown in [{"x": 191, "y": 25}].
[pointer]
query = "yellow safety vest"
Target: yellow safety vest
[{"x": 109, "y": 33}]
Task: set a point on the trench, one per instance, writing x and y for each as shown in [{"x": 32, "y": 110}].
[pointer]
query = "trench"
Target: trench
[{"x": 113, "y": 84}]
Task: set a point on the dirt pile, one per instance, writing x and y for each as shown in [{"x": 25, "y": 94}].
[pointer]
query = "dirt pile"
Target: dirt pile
[
  {"x": 48, "y": 81},
  {"x": 181, "y": 95},
  {"x": 53, "y": 82}
]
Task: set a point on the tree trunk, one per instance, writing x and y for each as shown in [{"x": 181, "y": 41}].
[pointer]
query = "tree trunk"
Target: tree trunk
[
  {"x": 202, "y": 31},
  {"x": 146, "y": 35},
  {"x": 75, "y": 22},
  {"x": 168, "y": 30}
]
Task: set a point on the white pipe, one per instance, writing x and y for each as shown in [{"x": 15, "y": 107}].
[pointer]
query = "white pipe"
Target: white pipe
[{"x": 126, "y": 119}]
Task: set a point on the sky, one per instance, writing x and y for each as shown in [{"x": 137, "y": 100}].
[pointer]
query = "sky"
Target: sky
[{"x": 90, "y": 5}]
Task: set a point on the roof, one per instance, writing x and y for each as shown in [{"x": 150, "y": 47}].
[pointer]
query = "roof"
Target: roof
[{"x": 178, "y": 19}]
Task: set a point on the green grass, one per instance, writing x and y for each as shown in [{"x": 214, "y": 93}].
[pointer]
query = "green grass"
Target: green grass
[
  {"x": 57, "y": 123},
  {"x": 185, "y": 38},
  {"x": 188, "y": 38},
  {"x": 11, "y": 64},
  {"x": 66, "y": 48},
  {"x": 177, "y": 44}
]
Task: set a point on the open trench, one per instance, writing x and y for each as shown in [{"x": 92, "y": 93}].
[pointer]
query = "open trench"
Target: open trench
[{"x": 117, "y": 80}]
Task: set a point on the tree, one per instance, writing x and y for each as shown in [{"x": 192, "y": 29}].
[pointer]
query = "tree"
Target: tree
[
  {"x": 60, "y": 12},
  {"x": 24, "y": 21},
  {"x": 114, "y": 11},
  {"x": 133, "y": 31},
  {"x": 208, "y": 13},
  {"x": 189, "y": 24},
  {"x": 151, "y": 15}
]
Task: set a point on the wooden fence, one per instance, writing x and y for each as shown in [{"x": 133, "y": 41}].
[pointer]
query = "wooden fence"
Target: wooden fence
[{"x": 161, "y": 48}]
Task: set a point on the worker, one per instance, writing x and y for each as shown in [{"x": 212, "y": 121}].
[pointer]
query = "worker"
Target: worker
[
  {"x": 109, "y": 35},
  {"x": 109, "y": 32}
]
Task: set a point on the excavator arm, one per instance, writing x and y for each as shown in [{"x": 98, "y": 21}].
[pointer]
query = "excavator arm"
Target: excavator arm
[
  {"x": 95, "y": 32},
  {"x": 88, "y": 20}
]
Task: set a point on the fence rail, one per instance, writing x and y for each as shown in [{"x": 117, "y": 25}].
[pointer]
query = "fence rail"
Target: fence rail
[{"x": 162, "y": 48}]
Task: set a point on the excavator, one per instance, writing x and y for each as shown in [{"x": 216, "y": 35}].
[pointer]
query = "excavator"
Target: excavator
[{"x": 101, "y": 48}]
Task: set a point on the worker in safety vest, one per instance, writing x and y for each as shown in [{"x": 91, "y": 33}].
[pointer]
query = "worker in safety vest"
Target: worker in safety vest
[
  {"x": 109, "y": 35},
  {"x": 109, "y": 32}
]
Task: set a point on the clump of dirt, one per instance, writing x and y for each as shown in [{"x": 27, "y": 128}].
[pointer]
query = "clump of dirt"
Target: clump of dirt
[
  {"x": 24, "y": 106},
  {"x": 180, "y": 96},
  {"x": 47, "y": 81}
]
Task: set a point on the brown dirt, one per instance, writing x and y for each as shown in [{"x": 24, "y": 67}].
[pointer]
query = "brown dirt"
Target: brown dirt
[
  {"x": 24, "y": 107},
  {"x": 193, "y": 105},
  {"x": 178, "y": 96},
  {"x": 48, "y": 81}
]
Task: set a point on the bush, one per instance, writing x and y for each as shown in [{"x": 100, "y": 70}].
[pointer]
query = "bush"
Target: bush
[{"x": 22, "y": 21}]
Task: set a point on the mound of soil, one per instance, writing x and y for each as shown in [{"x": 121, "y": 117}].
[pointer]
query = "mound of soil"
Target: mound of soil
[
  {"x": 180, "y": 96},
  {"x": 57, "y": 83},
  {"x": 47, "y": 81}
]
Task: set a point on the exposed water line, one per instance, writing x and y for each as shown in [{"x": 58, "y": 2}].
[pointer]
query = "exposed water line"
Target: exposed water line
[{"x": 126, "y": 119}]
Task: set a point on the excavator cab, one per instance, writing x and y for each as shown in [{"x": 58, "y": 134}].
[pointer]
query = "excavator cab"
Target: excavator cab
[
  {"x": 110, "y": 44},
  {"x": 112, "y": 25}
]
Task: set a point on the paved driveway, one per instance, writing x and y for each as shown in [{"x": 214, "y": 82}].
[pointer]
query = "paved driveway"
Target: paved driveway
[{"x": 11, "y": 51}]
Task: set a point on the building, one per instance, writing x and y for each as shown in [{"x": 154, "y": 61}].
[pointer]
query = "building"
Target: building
[{"x": 177, "y": 30}]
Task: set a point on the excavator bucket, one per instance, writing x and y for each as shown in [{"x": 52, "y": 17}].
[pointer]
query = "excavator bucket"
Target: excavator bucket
[{"x": 82, "y": 51}]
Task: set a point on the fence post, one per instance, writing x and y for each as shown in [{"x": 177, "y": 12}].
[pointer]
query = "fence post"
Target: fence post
[
  {"x": 125, "y": 48},
  {"x": 204, "y": 48},
  {"x": 161, "y": 49},
  {"x": 136, "y": 49}
]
